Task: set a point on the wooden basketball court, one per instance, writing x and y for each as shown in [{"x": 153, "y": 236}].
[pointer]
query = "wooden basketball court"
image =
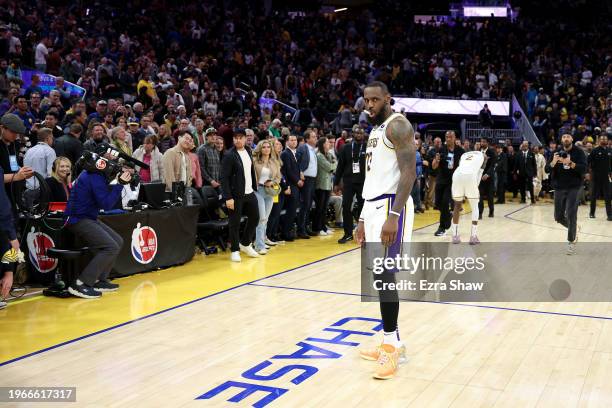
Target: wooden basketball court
[{"x": 269, "y": 332}]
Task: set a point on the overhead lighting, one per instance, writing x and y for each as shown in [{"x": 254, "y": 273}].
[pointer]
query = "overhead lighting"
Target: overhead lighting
[{"x": 340, "y": 9}]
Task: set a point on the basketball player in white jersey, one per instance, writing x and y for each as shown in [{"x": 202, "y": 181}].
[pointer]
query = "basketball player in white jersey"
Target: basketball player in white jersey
[
  {"x": 388, "y": 211},
  {"x": 465, "y": 185}
]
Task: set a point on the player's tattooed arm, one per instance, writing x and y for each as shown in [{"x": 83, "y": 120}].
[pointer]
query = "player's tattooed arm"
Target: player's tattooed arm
[{"x": 401, "y": 134}]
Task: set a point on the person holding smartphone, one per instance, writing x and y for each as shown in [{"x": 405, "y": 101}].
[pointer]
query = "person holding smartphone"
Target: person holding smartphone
[
  {"x": 567, "y": 169},
  {"x": 11, "y": 126}
]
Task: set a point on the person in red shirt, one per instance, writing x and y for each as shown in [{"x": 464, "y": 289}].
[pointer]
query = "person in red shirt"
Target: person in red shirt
[{"x": 149, "y": 153}]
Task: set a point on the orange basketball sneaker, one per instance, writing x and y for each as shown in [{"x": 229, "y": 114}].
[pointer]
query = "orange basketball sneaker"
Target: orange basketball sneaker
[
  {"x": 372, "y": 354},
  {"x": 387, "y": 362}
]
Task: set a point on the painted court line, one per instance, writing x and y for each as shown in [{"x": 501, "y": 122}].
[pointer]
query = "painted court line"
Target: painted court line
[
  {"x": 512, "y": 309},
  {"x": 508, "y": 216},
  {"x": 166, "y": 310}
]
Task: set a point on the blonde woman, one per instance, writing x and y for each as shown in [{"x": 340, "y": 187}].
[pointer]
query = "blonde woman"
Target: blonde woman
[
  {"x": 118, "y": 137},
  {"x": 274, "y": 217},
  {"x": 60, "y": 181},
  {"x": 268, "y": 174},
  {"x": 166, "y": 141}
]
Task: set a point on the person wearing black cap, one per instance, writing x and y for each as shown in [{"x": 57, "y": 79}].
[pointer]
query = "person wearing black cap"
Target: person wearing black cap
[
  {"x": 12, "y": 165},
  {"x": 567, "y": 169}
]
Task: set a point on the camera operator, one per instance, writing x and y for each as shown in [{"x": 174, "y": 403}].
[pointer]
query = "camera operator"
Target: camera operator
[
  {"x": 567, "y": 169},
  {"x": 91, "y": 192}
]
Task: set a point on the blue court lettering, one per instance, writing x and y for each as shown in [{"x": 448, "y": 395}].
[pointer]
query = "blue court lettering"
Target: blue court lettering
[{"x": 301, "y": 372}]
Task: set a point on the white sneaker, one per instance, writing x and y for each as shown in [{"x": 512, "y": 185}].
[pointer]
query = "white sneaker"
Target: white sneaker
[
  {"x": 262, "y": 251},
  {"x": 235, "y": 256},
  {"x": 267, "y": 246},
  {"x": 270, "y": 242},
  {"x": 323, "y": 233},
  {"x": 249, "y": 250},
  {"x": 3, "y": 305},
  {"x": 571, "y": 248}
]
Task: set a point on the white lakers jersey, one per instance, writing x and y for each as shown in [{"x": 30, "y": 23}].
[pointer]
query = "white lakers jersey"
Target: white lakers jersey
[
  {"x": 470, "y": 163},
  {"x": 382, "y": 171}
]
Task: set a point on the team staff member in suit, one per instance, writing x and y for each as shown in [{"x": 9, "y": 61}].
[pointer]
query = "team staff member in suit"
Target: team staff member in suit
[
  {"x": 350, "y": 171},
  {"x": 291, "y": 173},
  {"x": 238, "y": 186},
  {"x": 306, "y": 157},
  {"x": 501, "y": 169},
  {"x": 446, "y": 162},
  {"x": 525, "y": 170},
  {"x": 600, "y": 163},
  {"x": 567, "y": 169},
  {"x": 487, "y": 186},
  {"x": 511, "y": 181}
]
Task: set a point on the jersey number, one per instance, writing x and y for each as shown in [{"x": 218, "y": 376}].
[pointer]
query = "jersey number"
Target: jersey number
[{"x": 368, "y": 160}]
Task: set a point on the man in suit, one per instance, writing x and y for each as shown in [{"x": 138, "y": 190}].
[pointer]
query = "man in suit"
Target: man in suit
[
  {"x": 70, "y": 145},
  {"x": 525, "y": 170},
  {"x": 431, "y": 173},
  {"x": 486, "y": 186},
  {"x": 600, "y": 164},
  {"x": 351, "y": 172},
  {"x": 238, "y": 185},
  {"x": 501, "y": 169},
  {"x": 291, "y": 173},
  {"x": 510, "y": 181},
  {"x": 307, "y": 162}
]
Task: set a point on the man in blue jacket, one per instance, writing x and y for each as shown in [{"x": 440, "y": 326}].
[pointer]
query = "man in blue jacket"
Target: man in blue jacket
[{"x": 91, "y": 193}]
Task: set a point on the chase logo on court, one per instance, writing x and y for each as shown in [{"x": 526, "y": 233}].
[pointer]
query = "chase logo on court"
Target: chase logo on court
[
  {"x": 38, "y": 243},
  {"x": 144, "y": 244}
]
